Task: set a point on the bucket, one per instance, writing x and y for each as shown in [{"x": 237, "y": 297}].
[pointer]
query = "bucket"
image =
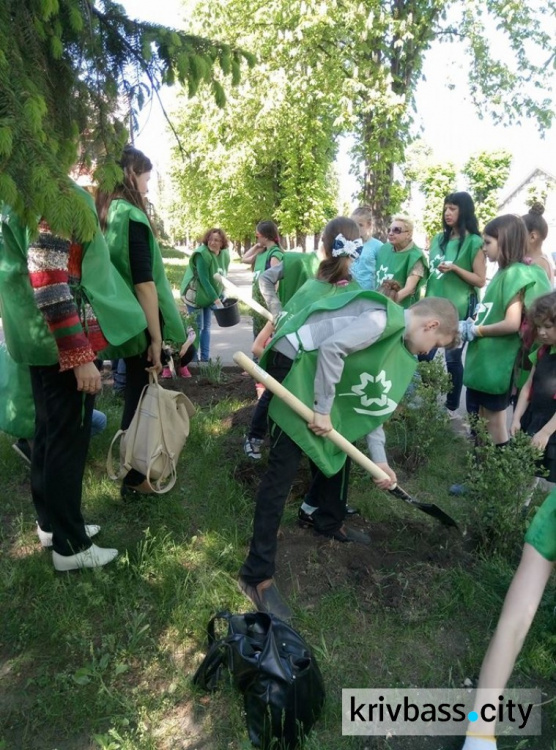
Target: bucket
[{"x": 228, "y": 315}]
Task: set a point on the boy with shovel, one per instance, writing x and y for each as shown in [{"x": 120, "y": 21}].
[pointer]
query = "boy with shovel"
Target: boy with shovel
[{"x": 349, "y": 354}]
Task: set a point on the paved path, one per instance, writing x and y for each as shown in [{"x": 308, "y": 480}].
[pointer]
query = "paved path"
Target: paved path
[{"x": 225, "y": 341}]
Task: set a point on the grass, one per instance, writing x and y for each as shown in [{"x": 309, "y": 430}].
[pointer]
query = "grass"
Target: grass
[{"x": 104, "y": 658}]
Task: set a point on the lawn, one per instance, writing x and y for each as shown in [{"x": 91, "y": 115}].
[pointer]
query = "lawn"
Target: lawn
[{"x": 104, "y": 658}]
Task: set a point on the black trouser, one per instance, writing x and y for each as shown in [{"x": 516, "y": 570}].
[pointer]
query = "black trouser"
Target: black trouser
[
  {"x": 137, "y": 378},
  {"x": 315, "y": 495},
  {"x": 273, "y": 492},
  {"x": 60, "y": 445}
]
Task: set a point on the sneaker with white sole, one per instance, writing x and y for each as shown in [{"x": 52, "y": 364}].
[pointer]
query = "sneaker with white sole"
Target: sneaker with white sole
[
  {"x": 252, "y": 448},
  {"x": 94, "y": 557},
  {"x": 45, "y": 537}
]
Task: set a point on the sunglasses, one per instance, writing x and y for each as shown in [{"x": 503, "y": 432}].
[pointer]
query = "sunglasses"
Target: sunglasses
[{"x": 396, "y": 230}]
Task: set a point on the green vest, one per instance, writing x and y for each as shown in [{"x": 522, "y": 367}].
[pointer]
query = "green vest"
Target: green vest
[
  {"x": 120, "y": 214},
  {"x": 17, "y": 409},
  {"x": 391, "y": 264},
  {"x": 372, "y": 383},
  {"x": 119, "y": 314},
  {"x": 490, "y": 360},
  {"x": 450, "y": 285},
  {"x": 215, "y": 264},
  {"x": 298, "y": 268}
]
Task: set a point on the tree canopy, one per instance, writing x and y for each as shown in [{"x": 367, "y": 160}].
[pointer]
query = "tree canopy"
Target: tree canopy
[
  {"x": 70, "y": 72},
  {"x": 355, "y": 65}
]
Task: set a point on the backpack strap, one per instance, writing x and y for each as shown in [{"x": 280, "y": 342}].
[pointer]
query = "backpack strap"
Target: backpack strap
[{"x": 109, "y": 462}]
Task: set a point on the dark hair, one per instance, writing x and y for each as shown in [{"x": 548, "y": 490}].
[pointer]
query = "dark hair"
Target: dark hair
[
  {"x": 333, "y": 269},
  {"x": 510, "y": 232},
  {"x": 134, "y": 163},
  {"x": 542, "y": 311},
  {"x": 215, "y": 230},
  {"x": 467, "y": 221},
  {"x": 269, "y": 231},
  {"x": 534, "y": 220}
]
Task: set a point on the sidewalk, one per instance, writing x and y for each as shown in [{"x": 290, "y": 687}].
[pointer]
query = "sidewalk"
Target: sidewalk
[{"x": 225, "y": 341}]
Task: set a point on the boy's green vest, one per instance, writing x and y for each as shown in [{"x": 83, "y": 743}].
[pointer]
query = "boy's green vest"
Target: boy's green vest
[
  {"x": 372, "y": 383},
  {"x": 298, "y": 268},
  {"x": 397, "y": 265},
  {"x": 215, "y": 264},
  {"x": 120, "y": 214},
  {"x": 120, "y": 316},
  {"x": 450, "y": 285},
  {"x": 490, "y": 360}
]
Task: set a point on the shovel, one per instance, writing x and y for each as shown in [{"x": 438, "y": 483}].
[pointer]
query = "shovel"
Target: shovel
[
  {"x": 354, "y": 453},
  {"x": 238, "y": 293}
]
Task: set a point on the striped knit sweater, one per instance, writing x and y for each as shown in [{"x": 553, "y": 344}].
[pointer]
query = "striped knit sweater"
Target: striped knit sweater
[{"x": 55, "y": 272}]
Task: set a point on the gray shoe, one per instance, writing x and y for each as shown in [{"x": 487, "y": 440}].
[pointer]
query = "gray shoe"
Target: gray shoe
[
  {"x": 266, "y": 598},
  {"x": 346, "y": 534}
]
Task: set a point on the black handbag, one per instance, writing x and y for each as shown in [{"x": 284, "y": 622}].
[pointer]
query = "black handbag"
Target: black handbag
[{"x": 275, "y": 670}]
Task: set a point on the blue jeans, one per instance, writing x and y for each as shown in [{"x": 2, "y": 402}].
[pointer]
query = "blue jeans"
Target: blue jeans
[
  {"x": 98, "y": 422},
  {"x": 203, "y": 317}
]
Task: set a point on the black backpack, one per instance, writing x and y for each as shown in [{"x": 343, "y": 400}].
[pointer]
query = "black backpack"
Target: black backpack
[{"x": 275, "y": 670}]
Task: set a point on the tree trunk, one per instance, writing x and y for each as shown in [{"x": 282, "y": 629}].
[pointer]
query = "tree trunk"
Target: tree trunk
[
  {"x": 300, "y": 240},
  {"x": 316, "y": 241}
]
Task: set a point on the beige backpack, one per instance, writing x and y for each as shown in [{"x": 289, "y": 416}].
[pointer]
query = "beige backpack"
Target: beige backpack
[{"x": 154, "y": 440}]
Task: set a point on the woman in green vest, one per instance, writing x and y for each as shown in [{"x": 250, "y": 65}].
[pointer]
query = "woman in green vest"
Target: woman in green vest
[
  {"x": 201, "y": 292},
  {"x": 264, "y": 254},
  {"x": 136, "y": 254},
  {"x": 457, "y": 272},
  {"x": 400, "y": 260},
  {"x": 494, "y": 336}
]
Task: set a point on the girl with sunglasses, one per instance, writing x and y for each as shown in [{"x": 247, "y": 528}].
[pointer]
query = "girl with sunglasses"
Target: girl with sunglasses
[{"x": 400, "y": 260}]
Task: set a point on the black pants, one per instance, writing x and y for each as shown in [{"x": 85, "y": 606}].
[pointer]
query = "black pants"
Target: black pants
[
  {"x": 60, "y": 445},
  {"x": 136, "y": 379},
  {"x": 275, "y": 486}
]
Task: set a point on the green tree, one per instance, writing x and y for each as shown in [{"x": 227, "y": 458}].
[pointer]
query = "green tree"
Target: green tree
[
  {"x": 270, "y": 155},
  {"x": 66, "y": 68},
  {"x": 367, "y": 57},
  {"x": 487, "y": 172},
  {"x": 436, "y": 183}
]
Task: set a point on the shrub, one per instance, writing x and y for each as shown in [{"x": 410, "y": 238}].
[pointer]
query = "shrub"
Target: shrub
[
  {"x": 421, "y": 416},
  {"x": 499, "y": 483}
]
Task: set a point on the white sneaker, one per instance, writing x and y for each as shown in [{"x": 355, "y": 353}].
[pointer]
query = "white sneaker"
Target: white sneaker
[
  {"x": 94, "y": 557},
  {"x": 45, "y": 537},
  {"x": 252, "y": 448}
]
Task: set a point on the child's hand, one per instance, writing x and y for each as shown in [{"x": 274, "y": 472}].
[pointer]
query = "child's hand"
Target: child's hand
[
  {"x": 540, "y": 440},
  {"x": 321, "y": 424},
  {"x": 386, "y": 484},
  {"x": 515, "y": 427}
]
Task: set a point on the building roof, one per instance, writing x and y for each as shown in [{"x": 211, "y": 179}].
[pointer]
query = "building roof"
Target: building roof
[{"x": 537, "y": 172}]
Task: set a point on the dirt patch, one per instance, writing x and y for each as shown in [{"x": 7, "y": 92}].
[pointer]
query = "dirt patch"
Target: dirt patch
[
  {"x": 204, "y": 392},
  {"x": 398, "y": 564}
]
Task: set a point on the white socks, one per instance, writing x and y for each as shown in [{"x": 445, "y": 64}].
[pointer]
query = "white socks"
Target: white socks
[{"x": 308, "y": 508}]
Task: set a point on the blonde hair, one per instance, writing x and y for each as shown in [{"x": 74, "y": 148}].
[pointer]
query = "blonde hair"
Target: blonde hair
[
  {"x": 365, "y": 212},
  {"x": 444, "y": 311},
  {"x": 404, "y": 218}
]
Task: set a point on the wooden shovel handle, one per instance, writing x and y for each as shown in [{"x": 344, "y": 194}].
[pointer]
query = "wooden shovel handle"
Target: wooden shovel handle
[
  {"x": 239, "y": 294},
  {"x": 305, "y": 413}
]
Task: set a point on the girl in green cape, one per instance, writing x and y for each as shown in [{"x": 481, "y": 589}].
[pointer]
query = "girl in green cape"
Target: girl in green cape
[{"x": 494, "y": 336}]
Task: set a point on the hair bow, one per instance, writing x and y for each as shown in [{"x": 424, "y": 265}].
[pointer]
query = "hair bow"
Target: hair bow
[{"x": 346, "y": 248}]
